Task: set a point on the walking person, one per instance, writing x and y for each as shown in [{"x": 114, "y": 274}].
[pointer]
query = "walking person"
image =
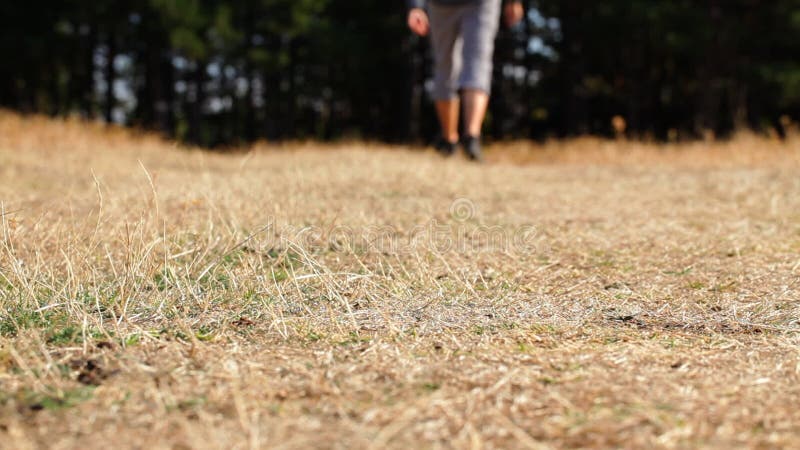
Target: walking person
[{"x": 462, "y": 37}]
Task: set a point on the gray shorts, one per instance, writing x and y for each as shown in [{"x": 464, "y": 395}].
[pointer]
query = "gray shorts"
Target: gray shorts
[{"x": 462, "y": 38}]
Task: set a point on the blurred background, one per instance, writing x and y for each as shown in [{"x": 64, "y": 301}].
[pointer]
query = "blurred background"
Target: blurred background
[{"x": 221, "y": 73}]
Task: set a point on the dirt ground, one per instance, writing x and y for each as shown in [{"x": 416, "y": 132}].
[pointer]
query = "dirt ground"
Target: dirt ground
[{"x": 578, "y": 294}]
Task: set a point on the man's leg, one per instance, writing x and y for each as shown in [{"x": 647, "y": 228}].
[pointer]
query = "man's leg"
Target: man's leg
[
  {"x": 448, "y": 111},
  {"x": 479, "y": 29},
  {"x": 476, "y": 102},
  {"x": 447, "y": 51}
]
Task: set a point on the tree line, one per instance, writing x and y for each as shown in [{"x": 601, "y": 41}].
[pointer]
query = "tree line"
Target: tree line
[{"x": 224, "y": 72}]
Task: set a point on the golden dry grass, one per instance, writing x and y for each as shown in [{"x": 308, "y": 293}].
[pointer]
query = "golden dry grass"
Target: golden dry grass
[{"x": 609, "y": 295}]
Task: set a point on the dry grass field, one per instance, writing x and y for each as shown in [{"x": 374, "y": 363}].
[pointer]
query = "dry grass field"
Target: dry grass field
[{"x": 582, "y": 294}]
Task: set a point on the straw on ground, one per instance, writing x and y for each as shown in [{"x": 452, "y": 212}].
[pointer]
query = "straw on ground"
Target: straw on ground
[{"x": 611, "y": 295}]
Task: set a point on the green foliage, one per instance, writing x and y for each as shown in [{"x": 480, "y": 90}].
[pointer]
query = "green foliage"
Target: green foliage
[
  {"x": 16, "y": 319},
  {"x": 220, "y": 72},
  {"x": 64, "y": 335},
  {"x": 431, "y": 387},
  {"x": 56, "y": 327},
  {"x": 55, "y": 400}
]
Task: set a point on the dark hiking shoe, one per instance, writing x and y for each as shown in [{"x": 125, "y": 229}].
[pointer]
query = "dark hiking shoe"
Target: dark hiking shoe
[
  {"x": 444, "y": 147},
  {"x": 472, "y": 147}
]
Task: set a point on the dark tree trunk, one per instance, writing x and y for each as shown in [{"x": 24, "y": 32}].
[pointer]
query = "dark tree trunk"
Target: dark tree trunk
[
  {"x": 416, "y": 87},
  {"x": 196, "y": 108},
  {"x": 87, "y": 82},
  {"x": 110, "y": 76},
  {"x": 527, "y": 89},
  {"x": 166, "y": 102},
  {"x": 249, "y": 73},
  {"x": 707, "y": 121},
  {"x": 270, "y": 93},
  {"x": 291, "y": 97},
  {"x": 570, "y": 72}
]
